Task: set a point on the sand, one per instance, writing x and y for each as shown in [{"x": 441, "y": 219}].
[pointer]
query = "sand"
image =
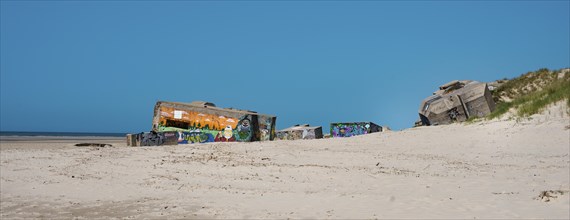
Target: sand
[{"x": 492, "y": 169}]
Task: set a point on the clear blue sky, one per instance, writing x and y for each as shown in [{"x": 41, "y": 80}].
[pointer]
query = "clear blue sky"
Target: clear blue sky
[{"x": 101, "y": 66}]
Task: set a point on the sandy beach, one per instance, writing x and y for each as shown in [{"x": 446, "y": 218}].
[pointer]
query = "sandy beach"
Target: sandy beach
[{"x": 492, "y": 169}]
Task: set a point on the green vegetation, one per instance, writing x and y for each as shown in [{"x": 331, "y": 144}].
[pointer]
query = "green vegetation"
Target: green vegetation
[
  {"x": 531, "y": 92},
  {"x": 500, "y": 109}
]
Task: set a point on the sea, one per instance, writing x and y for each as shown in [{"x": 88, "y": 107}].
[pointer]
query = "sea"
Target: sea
[{"x": 60, "y": 134}]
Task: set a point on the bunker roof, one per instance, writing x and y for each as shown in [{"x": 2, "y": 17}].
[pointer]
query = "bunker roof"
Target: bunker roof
[
  {"x": 443, "y": 101},
  {"x": 300, "y": 127},
  {"x": 207, "y": 105}
]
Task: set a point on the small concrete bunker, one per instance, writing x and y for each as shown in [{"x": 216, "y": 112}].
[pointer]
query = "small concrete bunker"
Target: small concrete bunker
[
  {"x": 297, "y": 132},
  {"x": 456, "y": 101},
  {"x": 349, "y": 129}
]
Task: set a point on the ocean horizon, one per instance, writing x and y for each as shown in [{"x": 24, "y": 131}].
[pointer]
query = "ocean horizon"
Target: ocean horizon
[{"x": 61, "y": 134}]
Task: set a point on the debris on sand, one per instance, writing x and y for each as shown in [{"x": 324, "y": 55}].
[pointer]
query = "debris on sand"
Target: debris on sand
[{"x": 548, "y": 195}]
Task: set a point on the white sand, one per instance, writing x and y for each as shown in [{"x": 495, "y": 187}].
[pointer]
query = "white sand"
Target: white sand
[{"x": 493, "y": 169}]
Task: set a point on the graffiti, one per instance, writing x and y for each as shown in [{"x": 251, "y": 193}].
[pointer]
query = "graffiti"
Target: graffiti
[
  {"x": 290, "y": 135},
  {"x": 244, "y": 130},
  {"x": 348, "y": 130},
  {"x": 266, "y": 130},
  {"x": 227, "y": 135},
  {"x": 196, "y": 119},
  {"x": 453, "y": 114},
  {"x": 193, "y": 126},
  {"x": 352, "y": 129},
  {"x": 297, "y": 134},
  {"x": 293, "y": 135},
  {"x": 196, "y": 136},
  {"x": 153, "y": 139}
]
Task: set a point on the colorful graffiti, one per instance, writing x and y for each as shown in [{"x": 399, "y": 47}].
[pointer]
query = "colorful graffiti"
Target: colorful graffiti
[
  {"x": 193, "y": 127},
  {"x": 227, "y": 135},
  {"x": 351, "y": 129},
  {"x": 266, "y": 128},
  {"x": 244, "y": 129},
  {"x": 196, "y": 136},
  {"x": 200, "y": 124},
  {"x": 196, "y": 119}
]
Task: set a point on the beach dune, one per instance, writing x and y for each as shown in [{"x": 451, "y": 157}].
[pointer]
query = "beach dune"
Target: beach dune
[{"x": 491, "y": 169}]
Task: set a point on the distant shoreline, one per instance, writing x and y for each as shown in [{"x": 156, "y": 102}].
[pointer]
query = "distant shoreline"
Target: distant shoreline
[
  {"x": 53, "y": 138},
  {"x": 4, "y": 134},
  {"x": 62, "y": 137}
]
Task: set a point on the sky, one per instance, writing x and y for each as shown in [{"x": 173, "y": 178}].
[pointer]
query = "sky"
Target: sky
[{"x": 100, "y": 66}]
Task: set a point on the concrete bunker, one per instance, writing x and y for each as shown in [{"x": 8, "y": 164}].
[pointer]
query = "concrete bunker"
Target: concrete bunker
[
  {"x": 456, "y": 101},
  {"x": 201, "y": 122},
  {"x": 349, "y": 129},
  {"x": 300, "y": 131}
]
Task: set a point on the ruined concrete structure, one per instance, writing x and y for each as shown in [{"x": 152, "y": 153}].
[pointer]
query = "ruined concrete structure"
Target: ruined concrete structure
[
  {"x": 456, "y": 101},
  {"x": 353, "y": 128},
  {"x": 200, "y": 122},
  {"x": 304, "y": 131}
]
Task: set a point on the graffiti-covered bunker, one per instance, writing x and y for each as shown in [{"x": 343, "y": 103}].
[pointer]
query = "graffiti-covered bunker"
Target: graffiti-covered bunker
[
  {"x": 456, "y": 101},
  {"x": 350, "y": 129},
  {"x": 304, "y": 131},
  {"x": 200, "y": 122}
]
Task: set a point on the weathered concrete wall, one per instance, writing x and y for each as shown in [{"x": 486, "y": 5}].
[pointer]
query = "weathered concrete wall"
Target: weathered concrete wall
[
  {"x": 353, "y": 128},
  {"x": 478, "y": 107},
  {"x": 456, "y": 113},
  {"x": 200, "y": 124},
  {"x": 490, "y": 101}
]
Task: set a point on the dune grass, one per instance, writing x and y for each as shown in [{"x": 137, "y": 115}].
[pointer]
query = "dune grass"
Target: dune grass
[
  {"x": 500, "y": 109},
  {"x": 532, "y": 92}
]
